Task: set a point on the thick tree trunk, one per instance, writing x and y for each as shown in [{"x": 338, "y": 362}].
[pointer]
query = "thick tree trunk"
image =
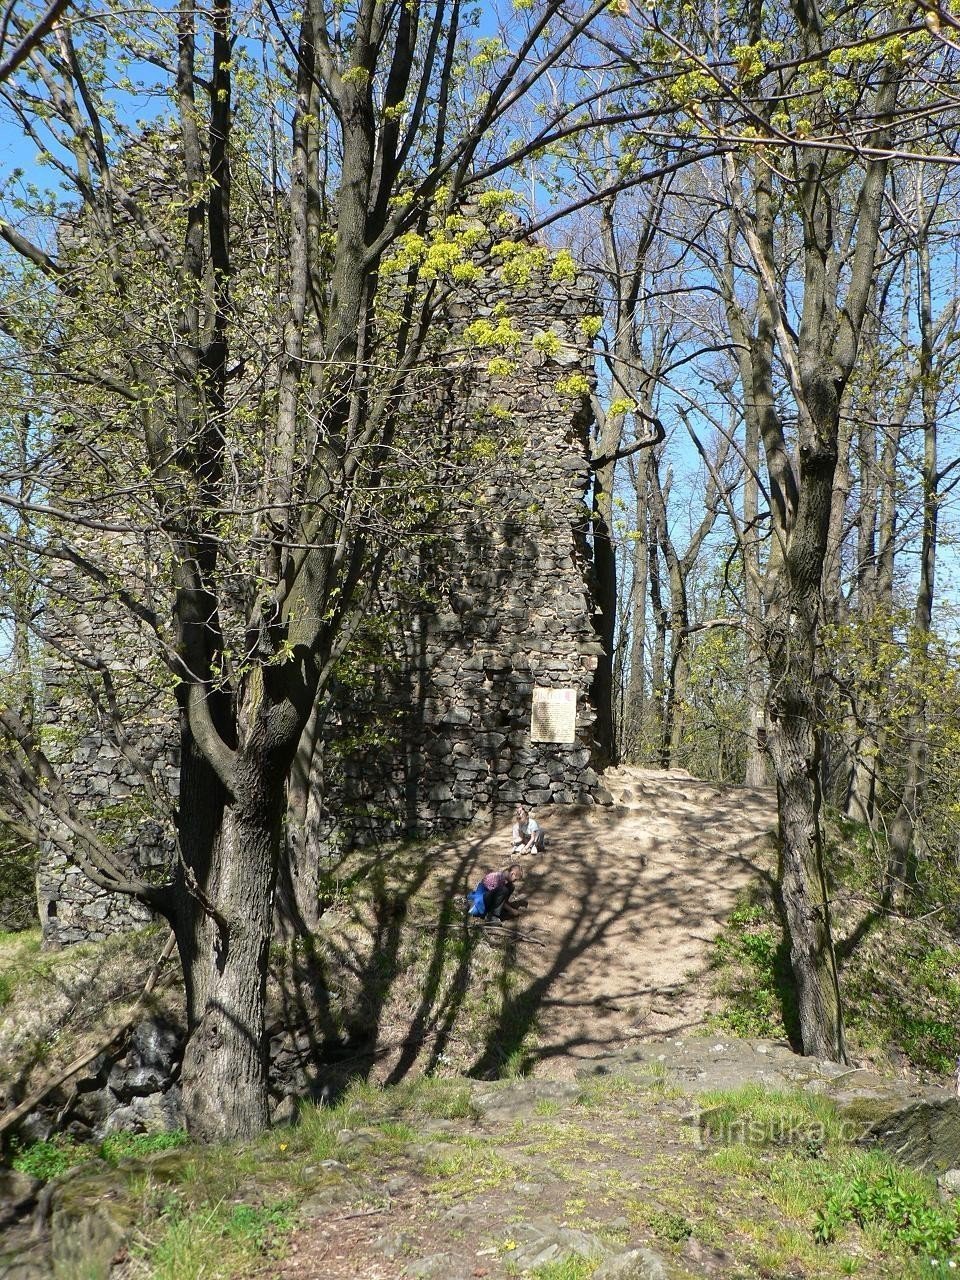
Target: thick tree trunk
[
  {"x": 222, "y": 918},
  {"x": 225, "y": 966},
  {"x": 794, "y": 750}
]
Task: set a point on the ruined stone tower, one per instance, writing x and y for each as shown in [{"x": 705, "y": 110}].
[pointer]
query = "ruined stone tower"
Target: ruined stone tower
[{"x": 478, "y": 693}]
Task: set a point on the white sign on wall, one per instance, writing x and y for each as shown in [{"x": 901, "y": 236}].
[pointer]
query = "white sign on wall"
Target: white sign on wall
[{"x": 554, "y": 715}]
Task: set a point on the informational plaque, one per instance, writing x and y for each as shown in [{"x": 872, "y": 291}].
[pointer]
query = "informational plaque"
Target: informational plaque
[{"x": 554, "y": 716}]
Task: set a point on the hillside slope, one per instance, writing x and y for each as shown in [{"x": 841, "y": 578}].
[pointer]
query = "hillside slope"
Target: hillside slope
[{"x": 624, "y": 905}]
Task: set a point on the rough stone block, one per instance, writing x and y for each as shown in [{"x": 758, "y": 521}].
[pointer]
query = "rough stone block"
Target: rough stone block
[
  {"x": 457, "y": 715},
  {"x": 458, "y": 810}
]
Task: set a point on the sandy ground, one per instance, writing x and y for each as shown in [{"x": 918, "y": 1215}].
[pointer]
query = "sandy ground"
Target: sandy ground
[{"x": 624, "y": 903}]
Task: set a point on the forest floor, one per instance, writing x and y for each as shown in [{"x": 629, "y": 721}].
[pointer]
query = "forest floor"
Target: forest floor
[{"x": 503, "y": 1099}]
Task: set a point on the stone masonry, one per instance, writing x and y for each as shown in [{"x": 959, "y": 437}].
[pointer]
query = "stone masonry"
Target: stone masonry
[
  {"x": 494, "y": 603},
  {"x": 507, "y": 604}
]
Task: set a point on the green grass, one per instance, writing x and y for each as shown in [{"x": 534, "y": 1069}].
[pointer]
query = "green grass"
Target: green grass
[
  {"x": 217, "y": 1241},
  {"x": 751, "y": 964},
  {"x": 471, "y": 1167},
  {"x": 755, "y": 1116},
  {"x": 675, "y": 1227},
  {"x": 874, "y": 1192},
  {"x": 124, "y": 1146},
  {"x": 18, "y": 952},
  {"x": 51, "y": 1157},
  {"x": 778, "y": 1186},
  {"x": 900, "y": 976},
  {"x": 572, "y": 1268}
]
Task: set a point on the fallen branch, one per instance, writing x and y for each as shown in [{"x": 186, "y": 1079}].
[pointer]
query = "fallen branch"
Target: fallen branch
[
  {"x": 25, "y": 1107},
  {"x": 505, "y": 931}
]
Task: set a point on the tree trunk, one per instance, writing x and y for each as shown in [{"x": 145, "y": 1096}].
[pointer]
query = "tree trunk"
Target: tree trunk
[
  {"x": 794, "y": 749},
  {"x": 224, "y": 959},
  {"x": 903, "y": 827},
  {"x": 635, "y": 711},
  {"x": 658, "y": 658},
  {"x": 755, "y": 770},
  {"x": 298, "y": 911}
]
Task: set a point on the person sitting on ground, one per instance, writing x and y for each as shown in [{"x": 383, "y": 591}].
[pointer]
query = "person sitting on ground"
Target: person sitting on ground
[
  {"x": 491, "y": 898},
  {"x": 527, "y": 835}
]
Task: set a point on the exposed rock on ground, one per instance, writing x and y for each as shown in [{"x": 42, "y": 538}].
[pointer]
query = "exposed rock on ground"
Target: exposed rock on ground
[{"x": 616, "y": 1166}]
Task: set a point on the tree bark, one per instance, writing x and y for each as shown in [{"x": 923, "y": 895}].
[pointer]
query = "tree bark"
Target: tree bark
[
  {"x": 903, "y": 828},
  {"x": 224, "y": 956},
  {"x": 794, "y": 750}
]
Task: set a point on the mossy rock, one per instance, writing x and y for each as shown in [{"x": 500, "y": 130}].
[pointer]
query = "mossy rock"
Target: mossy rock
[
  {"x": 91, "y": 1218},
  {"x": 922, "y": 1132}
]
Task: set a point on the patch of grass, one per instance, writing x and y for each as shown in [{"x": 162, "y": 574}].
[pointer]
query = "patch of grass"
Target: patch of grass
[
  {"x": 900, "y": 976},
  {"x": 759, "y": 1117},
  {"x": 518, "y": 1063},
  {"x": 260, "y": 1227},
  {"x": 51, "y": 1157},
  {"x": 214, "y": 1241},
  {"x": 574, "y": 1267},
  {"x": 467, "y": 1170},
  {"x": 429, "y": 1097},
  {"x": 740, "y": 1161},
  {"x": 605, "y": 1090},
  {"x": 674, "y": 1227},
  {"x": 122, "y": 1146},
  {"x": 394, "y": 1112},
  {"x": 752, "y": 975},
  {"x": 7, "y": 987},
  {"x": 316, "y": 1135}
]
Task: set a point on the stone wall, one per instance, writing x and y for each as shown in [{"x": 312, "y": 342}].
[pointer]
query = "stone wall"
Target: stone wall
[
  {"x": 498, "y": 603},
  {"x": 111, "y": 732},
  {"x": 494, "y": 602}
]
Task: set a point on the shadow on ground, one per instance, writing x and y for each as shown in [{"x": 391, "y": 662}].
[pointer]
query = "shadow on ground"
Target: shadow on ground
[{"x": 624, "y": 906}]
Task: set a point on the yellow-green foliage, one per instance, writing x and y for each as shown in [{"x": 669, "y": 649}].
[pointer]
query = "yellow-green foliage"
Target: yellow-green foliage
[
  {"x": 496, "y": 201},
  {"x": 486, "y": 333},
  {"x": 547, "y": 344},
  {"x": 573, "y": 386},
  {"x": 519, "y": 261},
  {"x": 621, "y": 405},
  {"x": 564, "y": 267}
]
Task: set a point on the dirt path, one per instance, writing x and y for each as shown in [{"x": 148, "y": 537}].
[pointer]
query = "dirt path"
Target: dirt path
[{"x": 627, "y": 900}]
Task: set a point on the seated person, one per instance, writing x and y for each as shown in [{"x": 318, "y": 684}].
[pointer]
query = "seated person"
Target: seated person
[
  {"x": 491, "y": 898},
  {"x": 526, "y": 835}
]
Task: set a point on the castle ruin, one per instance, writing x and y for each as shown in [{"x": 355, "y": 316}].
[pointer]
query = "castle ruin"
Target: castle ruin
[{"x": 479, "y": 695}]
